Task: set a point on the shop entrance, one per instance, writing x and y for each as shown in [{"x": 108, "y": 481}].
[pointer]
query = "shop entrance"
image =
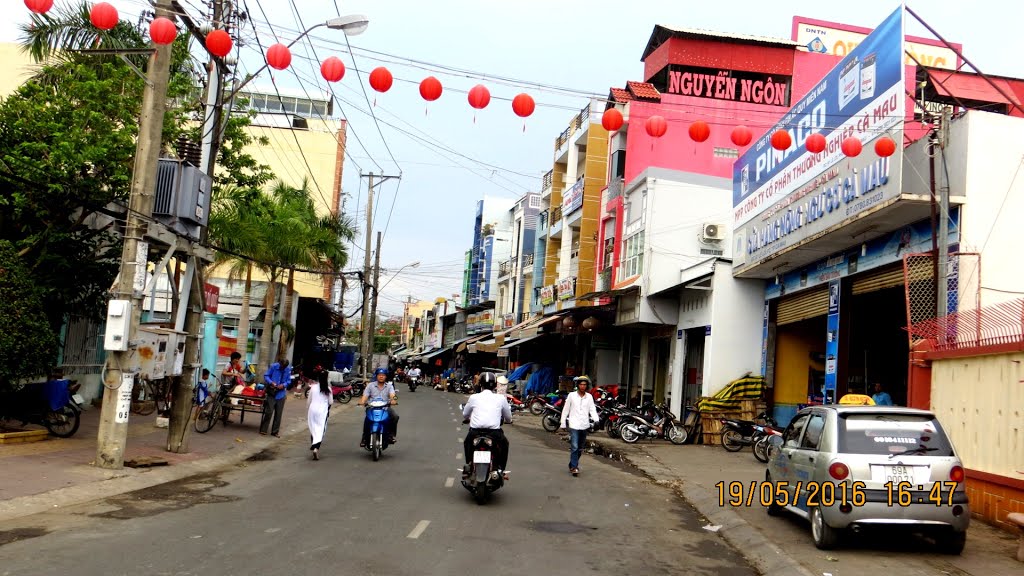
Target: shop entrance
[
  {"x": 800, "y": 362},
  {"x": 878, "y": 343},
  {"x": 693, "y": 366}
]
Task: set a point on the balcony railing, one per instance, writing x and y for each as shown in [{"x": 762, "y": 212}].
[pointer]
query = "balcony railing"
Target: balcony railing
[
  {"x": 556, "y": 214},
  {"x": 528, "y": 260},
  {"x": 504, "y": 268},
  {"x": 615, "y": 188},
  {"x": 546, "y": 181},
  {"x": 563, "y": 138},
  {"x": 542, "y": 220}
]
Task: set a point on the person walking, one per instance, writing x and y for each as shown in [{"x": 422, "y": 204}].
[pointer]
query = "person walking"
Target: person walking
[
  {"x": 276, "y": 378},
  {"x": 318, "y": 410},
  {"x": 579, "y": 411}
]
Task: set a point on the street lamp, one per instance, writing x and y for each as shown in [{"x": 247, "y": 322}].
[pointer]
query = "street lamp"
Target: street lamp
[{"x": 351, "y": 25}]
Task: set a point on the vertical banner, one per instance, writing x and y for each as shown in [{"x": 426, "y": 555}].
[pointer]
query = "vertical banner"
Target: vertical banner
[
  {"x": 832, "y": 342},
  {"x": 764, "y": 341}
]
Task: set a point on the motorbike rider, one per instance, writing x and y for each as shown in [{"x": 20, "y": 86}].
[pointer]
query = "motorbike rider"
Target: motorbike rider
[
  {"x": 380, "y": 388},
  {"x": 486, "y": 411},
  {"x": 415, "y": 372}
]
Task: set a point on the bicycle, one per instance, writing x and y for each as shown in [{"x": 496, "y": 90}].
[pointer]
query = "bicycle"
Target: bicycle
[{"x": 150, "y": 396}]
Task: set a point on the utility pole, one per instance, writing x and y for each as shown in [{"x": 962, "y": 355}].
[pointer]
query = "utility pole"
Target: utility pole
[
  {"x": 373, "y": 303},
  {"x": 119, "y": 379},
  {"x": 181, "y": 407},
  {"x": 364, "y": 347},
  {"x": 942, "y": 255}
]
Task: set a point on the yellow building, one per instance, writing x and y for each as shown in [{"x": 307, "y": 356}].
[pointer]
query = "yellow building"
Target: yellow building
[
  {"x": 570, "y": 211},
  {"x": 16, "y": 67}
]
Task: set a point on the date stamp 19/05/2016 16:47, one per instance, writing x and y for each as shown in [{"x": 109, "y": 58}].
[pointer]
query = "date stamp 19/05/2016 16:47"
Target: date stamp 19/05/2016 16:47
[{"x": 828, "y": 494}]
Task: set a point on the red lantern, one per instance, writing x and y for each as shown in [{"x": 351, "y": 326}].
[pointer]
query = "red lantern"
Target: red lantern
[
  {"x": 523, "y": 105},
  {"x": 815, "y": 143},
  {"x": 611, "y": 120},
  {"x": 162, "y": 31},
  {"x": 852, "y": 146},
  {"x": 381, "y": 79},
  {"x": 741, "y": 136},
  {"x": 39, "y": 6},
  {"x": 656, "y": 126},
  {"x": 781, "y": 140},
  {"x": 885, "y": 147},
  {"x": 103, "y": 16},
  {"x": 332, "y": 69},
  {"x": 479, "y": 97},
  {"x": 699, "y": 131},
  {"x": 430, "y": 89},
  {"x": 218, "y": 43},
  {"x": 279, "y": 57}
]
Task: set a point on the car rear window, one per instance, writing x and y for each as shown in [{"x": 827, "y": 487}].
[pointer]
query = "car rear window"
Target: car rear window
[{"x": 890, "y": 434}]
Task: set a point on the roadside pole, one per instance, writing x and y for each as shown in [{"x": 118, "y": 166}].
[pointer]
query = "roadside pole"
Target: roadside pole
[
  {"x": 364, "y": 342},
  {"x": 120, "y": 376},
  {"x": 373, "y": 302}
]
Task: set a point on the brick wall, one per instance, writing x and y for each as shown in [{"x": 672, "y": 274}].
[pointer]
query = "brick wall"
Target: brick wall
[{"x": 993, "y": 497}]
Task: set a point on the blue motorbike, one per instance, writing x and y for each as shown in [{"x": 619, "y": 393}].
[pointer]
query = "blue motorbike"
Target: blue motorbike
[{"x": 377, "y": 414}]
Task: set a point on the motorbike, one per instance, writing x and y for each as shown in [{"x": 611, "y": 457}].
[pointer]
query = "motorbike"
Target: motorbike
[
  {"x": 762, "y": 447},
  {"x": 54, "y": 405},
  {"x": 551, "y": 419},
  {"x": 665, "y": 425},
  {"x": 536, "y": 402},
  {"x": 377, "y": 414},
  {"x": 436, "y": 383},
  {"x": 739, "y": 433},
  {"x": 514, "y": 403},
  {"x": 414, "y": 381},
  {"x": 481, "y": 478}
]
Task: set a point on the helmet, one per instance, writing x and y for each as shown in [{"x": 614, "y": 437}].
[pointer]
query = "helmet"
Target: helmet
[
  {"x": 488, "y": 381},
  {"x": 383, "y": 371},
  {"x": 584, "y": 378}
]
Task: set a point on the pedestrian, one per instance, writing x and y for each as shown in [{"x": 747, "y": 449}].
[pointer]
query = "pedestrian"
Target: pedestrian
[
  {"x": 318, "y": 410},
  {"x": 881, "y": 397},
  {"x": 276, "y": 378},
  {"x": 579, "y": 412}
]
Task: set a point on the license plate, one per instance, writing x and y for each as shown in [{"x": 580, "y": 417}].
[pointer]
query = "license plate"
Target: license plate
[
  {"x": 481, "y": 457},
  {"x": 78, "y": 399},
  {"x": 894, "y": 474}
]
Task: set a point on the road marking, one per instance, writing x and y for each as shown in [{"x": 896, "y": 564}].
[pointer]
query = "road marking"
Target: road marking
[
  {"x": 458, "y": 429},
  {"x": 419, "y": 529},
  {"x": 458, "y": 455},
  {"x": 459, "y": 440},
  {"x": 449, "y": 483}
]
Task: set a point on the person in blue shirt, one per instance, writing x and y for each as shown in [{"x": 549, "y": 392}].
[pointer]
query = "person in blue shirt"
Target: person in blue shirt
[
  {"x": 881, "y": 397},
  {"x": 276, "y": 378}
]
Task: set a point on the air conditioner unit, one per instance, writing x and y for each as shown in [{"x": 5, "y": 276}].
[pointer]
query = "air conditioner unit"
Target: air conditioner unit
[
  {"x": 712, "y": 233},
  {"x": 182, "y": 196}
]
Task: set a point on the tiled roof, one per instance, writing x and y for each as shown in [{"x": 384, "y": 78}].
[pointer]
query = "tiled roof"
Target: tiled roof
[
  {"x": 620, "y": 95},
  {"x": 644, "y": 91}
]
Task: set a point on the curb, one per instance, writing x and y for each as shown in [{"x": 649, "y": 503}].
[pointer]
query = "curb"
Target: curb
[
  {"x": 127, "y": 480},
  {"x": 767, "y": 558}
]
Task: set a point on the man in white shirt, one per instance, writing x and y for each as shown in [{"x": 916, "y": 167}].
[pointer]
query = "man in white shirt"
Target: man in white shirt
[
  {"x": 579, "y": 411},
  {"x": 486, "y": 411}
]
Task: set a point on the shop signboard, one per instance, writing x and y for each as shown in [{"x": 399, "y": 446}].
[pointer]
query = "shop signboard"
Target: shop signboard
[
  {"x": 782, "y": 199},
  {"x": 572, "y": 200},
  {"x": 547, "y": 295},
  {"x": 567, "y": 288},
  {"x": 764, "y": 340},
  {"x": 832, "y": 341},
  {"x": 211, "y": 297},
  {"x": 839, "y": 40}
]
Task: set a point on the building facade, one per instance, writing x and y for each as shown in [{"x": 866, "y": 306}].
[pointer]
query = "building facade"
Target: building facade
[
  {"x": 515, "y": 275},
  {"x": 492, "y": 244}
]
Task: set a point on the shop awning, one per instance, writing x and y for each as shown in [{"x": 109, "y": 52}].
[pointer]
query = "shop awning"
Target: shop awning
[
  {"x": 965, "y": 86},
  {"x": 608, "y": 293},
  {"x": 520, "y": 341},
  {"x": 465, "y": 344},
  {"x": 434, "y": 354}
]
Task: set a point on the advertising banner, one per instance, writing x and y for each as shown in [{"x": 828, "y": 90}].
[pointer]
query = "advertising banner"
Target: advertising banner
[
  {"x": 567, "y": 288},
  {"x": 832, "y": 342},
  {"x": 547, "y": 295},
  {"x": 839, "y": 40},
  {"x": 572, "y": 200},
  {"x": 784, "y": 197}
]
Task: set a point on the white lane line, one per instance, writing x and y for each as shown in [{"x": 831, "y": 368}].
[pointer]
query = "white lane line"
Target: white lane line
[
  {"x": 458, "y": 429},
  {"x": 449, "y": 483},
  {"x": 419, "y": 529},
  {"x": 459, "y": 440},
  {"x": 458, "y": 455}
]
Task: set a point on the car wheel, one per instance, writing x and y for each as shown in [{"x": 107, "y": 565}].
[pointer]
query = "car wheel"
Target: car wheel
[
  {"x": 773, "y": 509},
  {"x": 825, "y": 537},
  {"x": 951, "y": 542}
]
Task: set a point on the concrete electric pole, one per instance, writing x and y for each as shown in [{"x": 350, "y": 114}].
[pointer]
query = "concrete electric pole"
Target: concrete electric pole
[
  {"x": 119, "y": 379},
  {"x": 376, "y": 291},
  {"x": 366, "y": 336}
]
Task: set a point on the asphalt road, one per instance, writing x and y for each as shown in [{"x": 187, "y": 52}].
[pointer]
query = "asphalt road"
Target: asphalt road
[{"x": 282, "y": 513}]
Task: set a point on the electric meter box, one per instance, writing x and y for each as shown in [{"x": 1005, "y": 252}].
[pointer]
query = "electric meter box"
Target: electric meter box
[
  {"x": 160, "y": 352},
  {"x": 119, "y": 319}
]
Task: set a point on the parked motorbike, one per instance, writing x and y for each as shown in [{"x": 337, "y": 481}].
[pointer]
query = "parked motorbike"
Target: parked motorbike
[
  {"x": 54, "y": 405},
  {"x": 665, "y": 425},
  {"x": 377, "y": 414},
  {"x": 739, "y": 433},
  {"x": 481, "y": 478},
  {"x": 514, "y": 403},
  {"x": 551, "y": 419},
  {"x": 762, "y": 447}
]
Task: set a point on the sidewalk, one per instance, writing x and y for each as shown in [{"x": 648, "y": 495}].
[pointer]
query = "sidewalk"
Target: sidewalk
[
  {"x": 783, "y": 545},
  {"x": 56, "y": 472}
]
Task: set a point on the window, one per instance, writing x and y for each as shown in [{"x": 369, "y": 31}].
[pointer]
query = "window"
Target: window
[
  {"x": 791, "y": 437},
  {"x": 534, "y": 201},
  {"x": 633, "y": 256},
  {"x": 815, "y": 426},
  {"x": 888, "y": 434}
]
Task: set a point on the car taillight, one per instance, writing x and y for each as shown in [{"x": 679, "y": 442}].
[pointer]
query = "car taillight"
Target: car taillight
[
  {"x": 956, "y": 474},
  {"x": 838, "y": 470}
]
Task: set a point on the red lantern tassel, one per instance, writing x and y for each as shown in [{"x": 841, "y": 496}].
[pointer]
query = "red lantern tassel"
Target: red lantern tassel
[{"x": 524, "y": 127}]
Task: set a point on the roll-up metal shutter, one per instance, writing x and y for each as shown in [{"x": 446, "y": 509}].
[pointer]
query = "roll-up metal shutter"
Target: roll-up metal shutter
[
  {"x": 808, "y": 304},
  {"x": 886, "y": 277}
]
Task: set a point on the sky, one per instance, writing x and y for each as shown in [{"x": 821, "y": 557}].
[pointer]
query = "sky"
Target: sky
[{"x": 449, "y": 155}]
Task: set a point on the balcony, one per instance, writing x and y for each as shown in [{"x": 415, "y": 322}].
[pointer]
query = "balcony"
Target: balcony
[
  {"x": 542, "y": 224},
  {"x": 582, "y": 123},
  {"x": 604, "y": 280},
  {"x": 528, "y": 261},
  {"x": 615, "y": 188},
  {"x": 556, "y": 223},
  {"x": 546, "y": 182},
  {"x": 504, "y": 269}
]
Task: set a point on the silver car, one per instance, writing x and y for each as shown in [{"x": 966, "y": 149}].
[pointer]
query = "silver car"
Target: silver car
[{"x": 847, "y": 467}]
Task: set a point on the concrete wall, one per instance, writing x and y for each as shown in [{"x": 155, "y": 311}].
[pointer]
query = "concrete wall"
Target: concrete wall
[{"x": 734, "y": 347}]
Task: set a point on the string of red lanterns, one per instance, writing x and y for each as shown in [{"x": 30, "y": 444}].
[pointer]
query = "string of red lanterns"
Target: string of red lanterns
[
  {"x": 162, "y": 31},
  {"x": 103, "y": 16},
  {"x": 39, "y": 6}
]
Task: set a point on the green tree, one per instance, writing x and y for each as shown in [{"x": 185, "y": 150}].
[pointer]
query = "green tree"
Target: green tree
[{"x": 28, "y": 347}]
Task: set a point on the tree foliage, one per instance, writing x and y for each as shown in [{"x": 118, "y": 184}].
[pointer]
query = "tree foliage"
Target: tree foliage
[{"x": 27, "y": 345}]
